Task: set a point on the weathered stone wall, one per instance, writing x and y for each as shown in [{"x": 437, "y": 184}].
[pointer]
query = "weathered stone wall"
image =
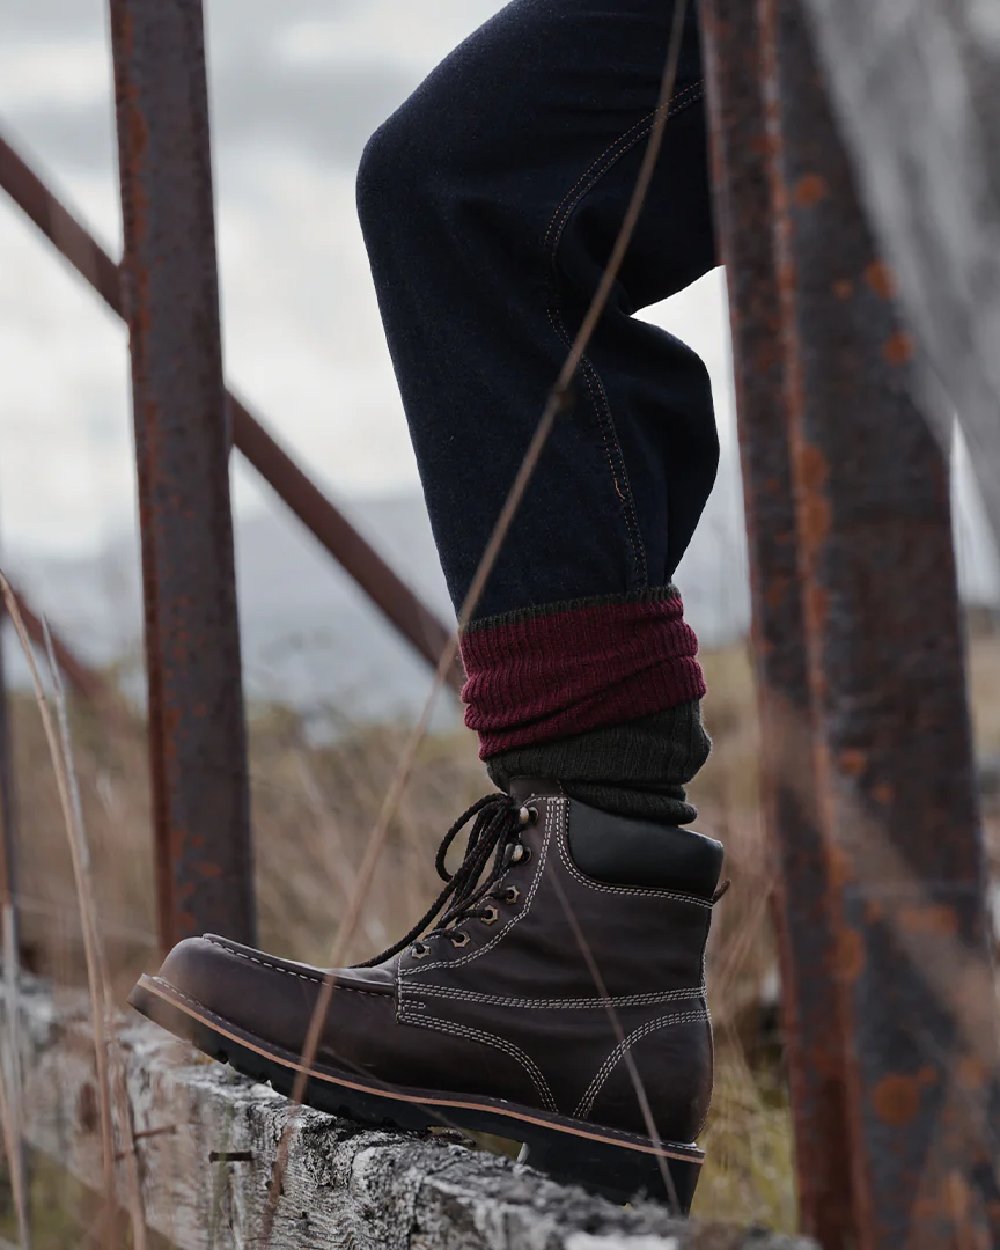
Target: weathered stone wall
[
  {"x": 917, "y": 87},
  {"x": 207, "y": 1142}
]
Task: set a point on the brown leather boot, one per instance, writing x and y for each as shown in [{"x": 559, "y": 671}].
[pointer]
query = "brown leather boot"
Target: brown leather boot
[{"x": 554, "y": 995}]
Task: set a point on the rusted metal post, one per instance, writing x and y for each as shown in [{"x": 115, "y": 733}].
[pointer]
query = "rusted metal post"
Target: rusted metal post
[
  {"x": 891, "y": 733},
  {"x": 744, "y": 223},
  {"x": 171, "y": 301}
]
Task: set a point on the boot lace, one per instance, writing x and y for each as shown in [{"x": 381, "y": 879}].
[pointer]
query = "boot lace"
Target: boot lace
[{"x": 496, "y": 832}]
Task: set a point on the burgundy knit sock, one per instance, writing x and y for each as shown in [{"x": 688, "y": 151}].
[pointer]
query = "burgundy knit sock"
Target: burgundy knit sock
[
  {"x": 550, "y": 672},
  {"x": 600, "y": 694}
]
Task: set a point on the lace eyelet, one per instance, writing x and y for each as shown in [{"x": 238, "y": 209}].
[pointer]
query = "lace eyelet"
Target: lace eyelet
[
  {"x": 512, "y": 894},
  {"x": 521, "y": 854},
  {"x": 419, "y": 950},
  {"x": 528, "y": 815},
  {"x": 492, "y": 917},
  {"x": 459, "y": 940}
]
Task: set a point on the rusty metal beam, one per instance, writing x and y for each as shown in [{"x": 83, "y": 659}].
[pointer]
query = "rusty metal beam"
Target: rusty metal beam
[
  {"x": 422, "y": 628},
  {"x": 744, "y": 217},
  {"x": 170, "y": 293},
  {"x": 891, "y": 735}
]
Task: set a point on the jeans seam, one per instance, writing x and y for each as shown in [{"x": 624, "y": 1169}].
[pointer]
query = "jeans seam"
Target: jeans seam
[
  {"x": 612, "y": 448},
  {"x": 598, "y": 167},
  {"x": 553, "y": 237}
]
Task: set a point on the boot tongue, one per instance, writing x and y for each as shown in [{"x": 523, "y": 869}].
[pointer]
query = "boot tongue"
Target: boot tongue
[{"x": 522, "y": 788}]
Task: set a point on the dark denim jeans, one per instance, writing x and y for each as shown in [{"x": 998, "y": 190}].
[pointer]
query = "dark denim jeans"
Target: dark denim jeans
[{"x": 490, "y": 203}]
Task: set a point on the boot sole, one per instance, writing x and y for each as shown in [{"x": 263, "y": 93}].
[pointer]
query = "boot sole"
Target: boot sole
[{"x": 617, "y": 1165}]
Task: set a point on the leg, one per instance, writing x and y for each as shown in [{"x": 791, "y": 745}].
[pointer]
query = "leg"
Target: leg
[{"x": 490, "y": 203}]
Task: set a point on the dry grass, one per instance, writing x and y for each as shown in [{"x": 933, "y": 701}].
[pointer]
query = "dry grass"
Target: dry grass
[
  {"x": 984, "y": 670},
  {"x": 314, "y": 807}
]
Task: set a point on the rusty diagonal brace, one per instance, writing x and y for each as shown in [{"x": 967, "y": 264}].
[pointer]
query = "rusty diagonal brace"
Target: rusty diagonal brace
[{"x": 425, "y": 632}]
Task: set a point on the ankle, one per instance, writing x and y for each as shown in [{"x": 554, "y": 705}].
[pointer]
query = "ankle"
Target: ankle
[{"x": 637, "y": 769}]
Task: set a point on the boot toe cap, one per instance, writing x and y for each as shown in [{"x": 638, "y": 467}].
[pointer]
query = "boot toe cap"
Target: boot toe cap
[{"x": 268, "y": 998}]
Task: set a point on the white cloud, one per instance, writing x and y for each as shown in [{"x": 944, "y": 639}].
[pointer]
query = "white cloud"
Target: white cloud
[
  {"x": 414, "y": 35},
  {"x": 74, "y": 71}
]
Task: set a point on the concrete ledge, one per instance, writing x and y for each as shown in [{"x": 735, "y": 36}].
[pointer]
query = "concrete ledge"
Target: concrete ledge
[{"x": 207, "y": 1140}]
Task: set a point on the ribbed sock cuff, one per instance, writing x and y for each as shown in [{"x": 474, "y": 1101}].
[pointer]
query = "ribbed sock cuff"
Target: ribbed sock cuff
[{"x": 548, "y": 673}]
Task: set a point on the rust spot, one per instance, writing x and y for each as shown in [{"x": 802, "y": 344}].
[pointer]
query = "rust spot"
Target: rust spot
[
  {"x": 959, "y": 1198},
  {"x": 879, "y": 277},
  {"x": 933, "y": 919},
  {"x": 840, "y": 866},
  {"x": 850, "y": 955},
  {"x": 774, "y": 595},
  {"x": 852, "y": 762},
  {"x": 816, "y": 603},
  {"x": 898, "y": 349},
  {"x": 761, "y": 145},
  {"x": 897, "y": 1100},
  {"x": 815, "y": 508},
  {"x": 810, "y": 190},
  {"x": 971, "y": 1073},
  {"x": 884, "y": 793},
  {"x": 843, "y": 288}
]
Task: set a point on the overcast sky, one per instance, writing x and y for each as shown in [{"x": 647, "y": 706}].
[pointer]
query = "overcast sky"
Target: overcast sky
[{"x": 296, "y": 88}]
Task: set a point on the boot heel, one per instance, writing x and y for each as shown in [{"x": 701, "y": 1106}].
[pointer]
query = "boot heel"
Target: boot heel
[{"x": 612, "y": 1172}]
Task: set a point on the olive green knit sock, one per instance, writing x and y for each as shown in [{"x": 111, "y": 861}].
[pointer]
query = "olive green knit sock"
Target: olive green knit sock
[{"x": 637, "y": 769}]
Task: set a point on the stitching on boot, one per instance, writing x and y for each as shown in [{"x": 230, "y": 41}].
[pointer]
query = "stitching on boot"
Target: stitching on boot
[
  {"x": 490, "y": 1039},
  {"x": 621, "y": 891},
  {"x": 585, "y": 1106},
  {"x": 537, "y": 1080},
  {"x": 314, "y": 978},
  {"x": 623, "y": 1000}
]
